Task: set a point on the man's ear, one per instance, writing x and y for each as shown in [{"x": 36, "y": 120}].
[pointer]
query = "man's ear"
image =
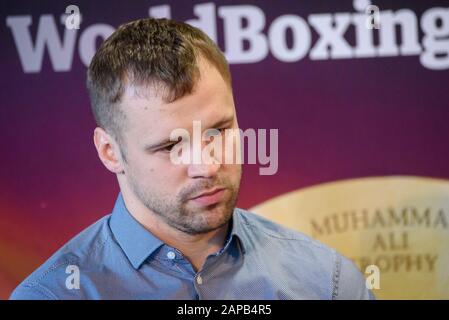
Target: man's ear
[{"x": 108, "y": 150}]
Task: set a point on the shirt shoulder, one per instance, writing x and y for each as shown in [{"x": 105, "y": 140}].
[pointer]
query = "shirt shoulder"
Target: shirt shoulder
[
  {"x": 48, "y": 282},
  {"x": 321, "y": 267},
  {"x": 257, "y": 227}
]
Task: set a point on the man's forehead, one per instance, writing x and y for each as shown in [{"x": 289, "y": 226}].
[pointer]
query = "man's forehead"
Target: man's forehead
[
  {"x": 168, "y": 120},
  {"x": 140, "y": 102},
  {"x": 152, "y": 119},
  {"x": 144, "y": 96},
  {"x": 151, "y": 115}
]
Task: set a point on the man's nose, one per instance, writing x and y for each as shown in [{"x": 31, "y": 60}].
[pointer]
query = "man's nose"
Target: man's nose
[
  {"x": 203, "y": 170},
  {"x": 204, "y": 164}
]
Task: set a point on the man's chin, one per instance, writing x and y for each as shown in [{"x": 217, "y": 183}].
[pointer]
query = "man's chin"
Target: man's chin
[{"x": 213, "y": 217}]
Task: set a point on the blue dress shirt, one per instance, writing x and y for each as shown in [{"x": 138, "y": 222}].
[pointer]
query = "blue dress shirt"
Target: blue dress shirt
[{"x": 117, "y": 258}]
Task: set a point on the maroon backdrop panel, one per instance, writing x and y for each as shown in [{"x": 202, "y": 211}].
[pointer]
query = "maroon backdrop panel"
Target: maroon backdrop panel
[{"x": 352, "y": 102}]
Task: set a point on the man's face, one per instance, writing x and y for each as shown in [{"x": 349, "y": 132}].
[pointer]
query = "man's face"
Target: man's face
[{"x": 167, "y": 189}]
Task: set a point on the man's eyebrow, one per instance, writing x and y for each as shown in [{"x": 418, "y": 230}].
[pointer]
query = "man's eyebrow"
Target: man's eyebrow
[
  {"x": 167, "y": 141},
  {"x": 223, "y": 121}
]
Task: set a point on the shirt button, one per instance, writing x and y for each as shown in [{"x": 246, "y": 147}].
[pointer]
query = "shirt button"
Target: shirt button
[
  {"x": 171, "y": 255},
  {"x": 199, "y": 280}
]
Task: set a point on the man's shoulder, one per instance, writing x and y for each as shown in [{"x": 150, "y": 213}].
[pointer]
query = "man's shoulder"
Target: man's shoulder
[
  {"x": 81, "y": 251},
  {"x": 305, "y": 257},
  {"x": 266, "y": 228}
]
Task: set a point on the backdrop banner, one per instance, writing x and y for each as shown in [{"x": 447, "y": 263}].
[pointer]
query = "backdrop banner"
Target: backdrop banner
[{"x": 358, "y": 91}]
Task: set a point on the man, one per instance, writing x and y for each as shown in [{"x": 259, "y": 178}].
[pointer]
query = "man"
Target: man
[{"x": 174, "y": 232}]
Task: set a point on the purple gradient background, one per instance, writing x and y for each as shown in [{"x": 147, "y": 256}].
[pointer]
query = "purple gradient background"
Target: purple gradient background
[{"x": 337, "y": 119}]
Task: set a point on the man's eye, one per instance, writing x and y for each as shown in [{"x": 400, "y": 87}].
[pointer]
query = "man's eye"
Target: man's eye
[
  {"x": 222, "y": 130},
  {"x": 168, "y": 148},
  {"x": 215, "y": 132}
]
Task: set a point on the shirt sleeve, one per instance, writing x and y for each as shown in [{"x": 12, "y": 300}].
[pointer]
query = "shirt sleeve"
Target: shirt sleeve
[
  {"x": 35, "y": 292},
  {"x": 349, "y": 283}
]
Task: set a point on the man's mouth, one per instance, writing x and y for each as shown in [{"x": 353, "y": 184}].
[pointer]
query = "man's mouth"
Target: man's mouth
[{"x": 209, "y": 197}]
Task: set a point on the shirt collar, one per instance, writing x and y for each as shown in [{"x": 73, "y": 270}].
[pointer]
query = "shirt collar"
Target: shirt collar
[
  {"x": 237, "y": 230},
  {"x": 138, "y": 243}
]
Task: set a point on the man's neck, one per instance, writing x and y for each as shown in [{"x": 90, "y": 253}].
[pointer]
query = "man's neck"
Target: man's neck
[{"x": 194, "y": 247}]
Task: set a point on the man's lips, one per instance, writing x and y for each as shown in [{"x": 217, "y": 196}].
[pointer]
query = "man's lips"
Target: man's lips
[
  {"x": 208, "y": 193},
  {"x": 209, "y": 197}
]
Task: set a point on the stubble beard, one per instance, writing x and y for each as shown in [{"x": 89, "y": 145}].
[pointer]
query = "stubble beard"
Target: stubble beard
[{"x": 181, "y": 214}]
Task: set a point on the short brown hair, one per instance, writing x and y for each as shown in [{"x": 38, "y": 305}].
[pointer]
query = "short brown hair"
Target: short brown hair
[{"x": 147, "y": 52}]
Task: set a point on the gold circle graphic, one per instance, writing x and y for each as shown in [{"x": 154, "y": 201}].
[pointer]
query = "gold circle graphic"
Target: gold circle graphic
[{"x": 398, "y": 223}]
